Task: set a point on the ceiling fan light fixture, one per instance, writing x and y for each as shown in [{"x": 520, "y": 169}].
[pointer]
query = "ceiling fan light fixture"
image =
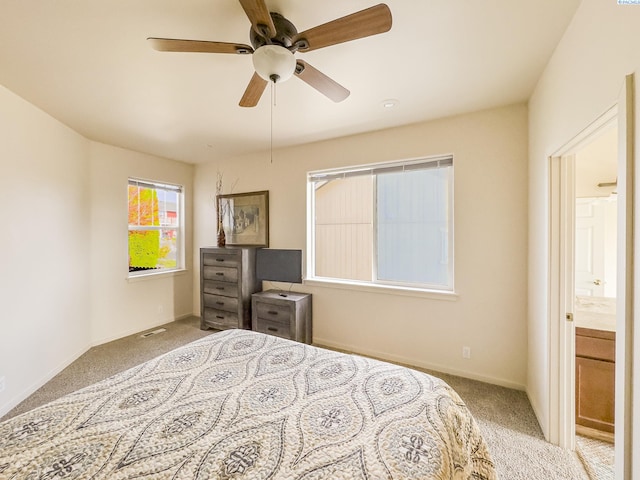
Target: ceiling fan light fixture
[{"x": 274, "y": 63}]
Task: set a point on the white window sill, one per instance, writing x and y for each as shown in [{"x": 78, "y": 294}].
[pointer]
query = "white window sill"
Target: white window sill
[
  {"x": 383, "y": 289},
  {"x": 138, "y": 277}
]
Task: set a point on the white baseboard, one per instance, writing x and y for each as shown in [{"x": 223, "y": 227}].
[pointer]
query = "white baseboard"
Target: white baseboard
[
  {"x": 26, "y": 393},
  {"x": 536, "y": 412},
  {"x": 411, "y": 362}
]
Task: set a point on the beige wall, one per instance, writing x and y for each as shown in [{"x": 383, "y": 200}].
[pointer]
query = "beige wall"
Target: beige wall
[
  {"x": 44, "y": 278},
  {"x": 488, "y": 315},
  {"x": 120, "y": 306},
  {"x": 582, "y": 80},
  {"x": 63, "y": 283}
]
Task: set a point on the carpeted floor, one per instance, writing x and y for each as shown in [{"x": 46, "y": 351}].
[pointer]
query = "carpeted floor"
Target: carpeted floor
[
  {"x": 512, "y": 432},
  {"x": 505, "y": 416},
  {"x": 110, "y": 358}
]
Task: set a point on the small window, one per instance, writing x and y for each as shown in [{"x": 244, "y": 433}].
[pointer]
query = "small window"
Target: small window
[
  {"x": 155, "y": 227},
  {"x": 389, "y": 224}
]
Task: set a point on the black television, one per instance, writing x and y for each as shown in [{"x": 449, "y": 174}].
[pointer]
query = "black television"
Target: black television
[{"x": 279, "y": 265}]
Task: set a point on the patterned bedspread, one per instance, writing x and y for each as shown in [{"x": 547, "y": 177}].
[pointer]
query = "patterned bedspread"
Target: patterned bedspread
[{"x": 243, "y": 405}]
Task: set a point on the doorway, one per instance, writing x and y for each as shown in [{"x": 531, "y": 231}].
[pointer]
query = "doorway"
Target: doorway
[
  {"x": 584, "y": 205},
  {"x": 562, "y": 292},
  {"x": 595, "y": 213}
]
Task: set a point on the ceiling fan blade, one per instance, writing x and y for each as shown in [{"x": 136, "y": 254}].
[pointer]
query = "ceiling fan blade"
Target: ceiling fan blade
[
  {"x": 254, "y": 91},
  {"x": 364, "y": 23},
  {"x": 199, "y": 46},
  {"x": 259, "y": 16},
  {"x": 318, "y": 80}
]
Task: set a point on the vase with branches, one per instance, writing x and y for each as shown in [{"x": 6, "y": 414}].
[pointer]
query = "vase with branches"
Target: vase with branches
[
  {"x": 221, "y": 235},
  {"x": 221, "y": 208}
]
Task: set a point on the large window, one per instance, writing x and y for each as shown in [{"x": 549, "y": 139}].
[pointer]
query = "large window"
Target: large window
[
  {"x": 155, "y": 227},
  {"x": 387, "y": 223}
]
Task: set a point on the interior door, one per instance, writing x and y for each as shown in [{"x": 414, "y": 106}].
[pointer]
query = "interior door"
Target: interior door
[{"x": 589, "y": 247}]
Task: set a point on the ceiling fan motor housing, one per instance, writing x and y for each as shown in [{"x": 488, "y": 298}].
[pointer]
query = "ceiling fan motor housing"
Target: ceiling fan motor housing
[{"x": 285, "y": 33}]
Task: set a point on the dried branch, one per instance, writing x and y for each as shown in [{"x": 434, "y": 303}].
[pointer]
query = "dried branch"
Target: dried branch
[{"x": 220, "y": 191}]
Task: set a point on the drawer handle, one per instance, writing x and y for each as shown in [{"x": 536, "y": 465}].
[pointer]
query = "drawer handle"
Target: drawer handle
[
  {"x": 219, "y": 303},
  {"x": 220, "y": 317},
  {"x": 219, "y": 259},
  {"x": 271, "y": 329},
  {"x": 220, "y": 274},
  {"x": 219, "y": 288},
  {"x": 272, "y": 312}
]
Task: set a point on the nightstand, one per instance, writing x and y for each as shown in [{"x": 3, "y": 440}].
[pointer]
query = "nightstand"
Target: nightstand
[{"x": 283, "y": 314}]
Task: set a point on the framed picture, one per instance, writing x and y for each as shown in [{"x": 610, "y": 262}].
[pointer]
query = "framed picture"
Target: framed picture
[{"x": 245, "y": 218}]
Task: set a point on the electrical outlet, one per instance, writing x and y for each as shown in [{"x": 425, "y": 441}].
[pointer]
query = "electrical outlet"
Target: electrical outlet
[
  {"x": 466, "y": 352},
  {"x": 160, "y": 309},
  {"x": 2, "y": 384}
]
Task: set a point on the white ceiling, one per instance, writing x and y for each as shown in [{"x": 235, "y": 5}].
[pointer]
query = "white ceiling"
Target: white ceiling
[
  {"x": 88, "y": 64},
  {"x": 597, "y": 163}
]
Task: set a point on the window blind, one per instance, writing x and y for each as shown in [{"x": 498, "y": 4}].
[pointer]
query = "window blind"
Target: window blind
[
  {"x": 160, "y": 186},
  {"x": 382, "y": 168}
]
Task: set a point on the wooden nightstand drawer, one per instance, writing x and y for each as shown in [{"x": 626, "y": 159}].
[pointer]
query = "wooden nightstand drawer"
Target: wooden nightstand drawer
[
  {"x": 219, "y": 302},
  {"x": 220, "y": 288},
  {"x": 273, "y": 312},
  {"x": 225, "y": 259},
  {"x": 220, "y": 319},
  {"x": 220, "y": 274},
  {"x": 274, "y": 328}
]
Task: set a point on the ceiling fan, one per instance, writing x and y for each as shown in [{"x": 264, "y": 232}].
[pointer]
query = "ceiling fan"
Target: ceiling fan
[{"x": 275, "y": 40}]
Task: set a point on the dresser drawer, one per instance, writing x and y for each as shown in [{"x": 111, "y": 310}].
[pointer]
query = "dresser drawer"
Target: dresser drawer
[
  {"x": 273, "y": 312},
  {"x": 273, "y": 328},
  {"x": 223, "y": 259},
  {"x": 220, "y": 288},
  {"x": 220, "y": 274},
  {"x": 228, "y": 304},
  {"x": 220, "y": 319}
]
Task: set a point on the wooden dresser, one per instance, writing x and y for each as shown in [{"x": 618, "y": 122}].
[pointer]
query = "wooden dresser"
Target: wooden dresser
[
  {"x": 227, "y": 281},
  {"x": 595, "y": 379}
]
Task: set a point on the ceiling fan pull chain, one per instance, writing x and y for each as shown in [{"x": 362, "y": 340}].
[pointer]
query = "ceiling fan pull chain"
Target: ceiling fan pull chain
[
  {"x": 273, "y": 101},
  {"x": 275, "y": 93}
]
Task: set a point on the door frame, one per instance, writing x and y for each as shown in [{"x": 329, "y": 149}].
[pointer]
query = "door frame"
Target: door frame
[
  {"x": 561, "y": 332},
  {"x": 560, "y": 293},
  {"x": 627, "y": 364}
]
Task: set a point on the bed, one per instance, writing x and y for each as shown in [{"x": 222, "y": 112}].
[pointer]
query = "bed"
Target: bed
[{"x": 243, "y": 405}]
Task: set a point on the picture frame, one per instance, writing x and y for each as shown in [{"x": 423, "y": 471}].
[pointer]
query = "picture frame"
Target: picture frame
[{"x": 245, "y": 218}]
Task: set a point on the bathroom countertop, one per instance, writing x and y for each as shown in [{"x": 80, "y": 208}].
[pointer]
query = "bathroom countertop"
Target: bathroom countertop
[
  {"x": 595, "y": 321},
  {"x": 597, "y": 313}
]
